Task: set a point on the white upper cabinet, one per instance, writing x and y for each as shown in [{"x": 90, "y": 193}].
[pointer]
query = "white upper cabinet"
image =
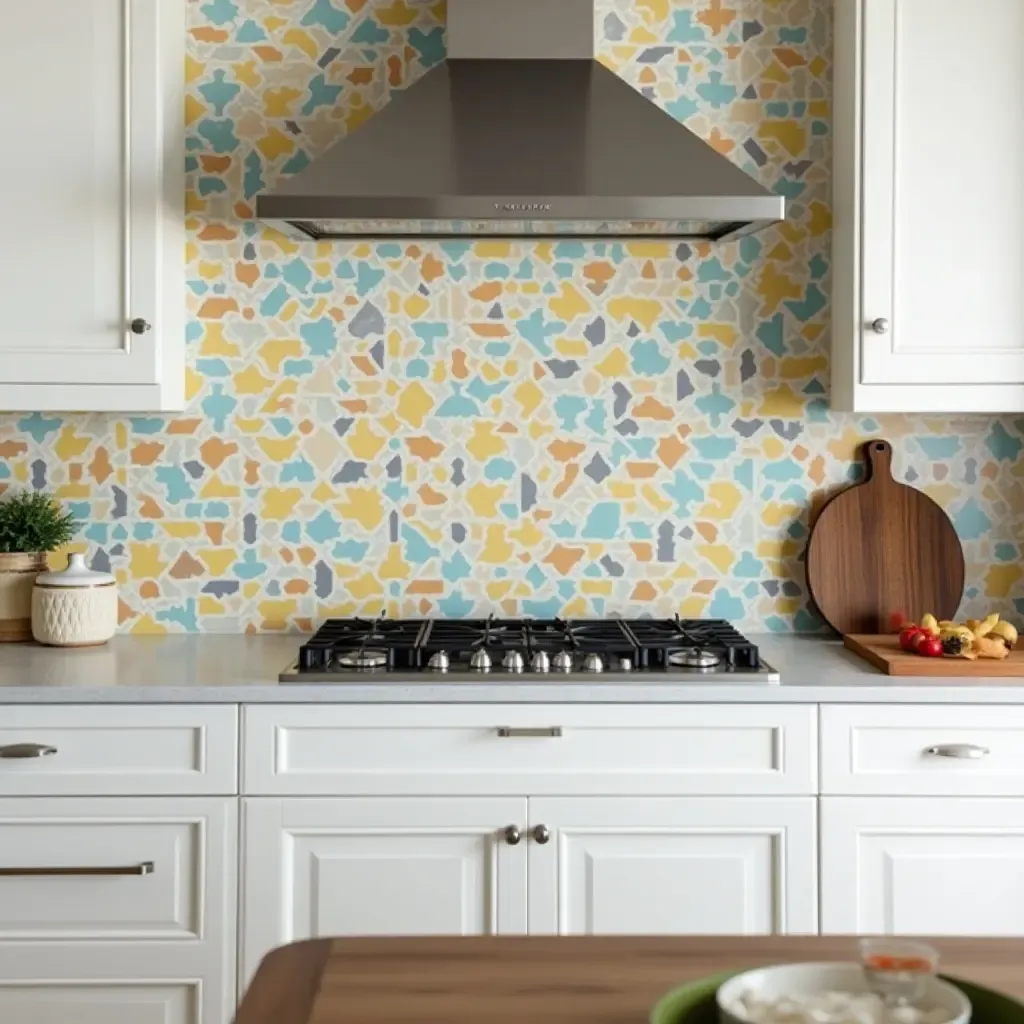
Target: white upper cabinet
[
  {"x": 93, "y": 206},
  {"x": 929, "y": 207}
]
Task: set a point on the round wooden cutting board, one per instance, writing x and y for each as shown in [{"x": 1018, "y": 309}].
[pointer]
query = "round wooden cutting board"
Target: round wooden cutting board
[{"x": 881, "y": 549}]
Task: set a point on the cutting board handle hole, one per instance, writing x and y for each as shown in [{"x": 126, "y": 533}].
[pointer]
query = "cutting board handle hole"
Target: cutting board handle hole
[{"x": 877, "y": 456}]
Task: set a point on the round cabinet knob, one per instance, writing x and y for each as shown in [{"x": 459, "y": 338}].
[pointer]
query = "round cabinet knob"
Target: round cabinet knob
[
  {"x": 542, "y": 834},
  {"x": 880, "y": 326},
  {"x": 140, "y": 326},
  {"x": 513, "y": 835}
]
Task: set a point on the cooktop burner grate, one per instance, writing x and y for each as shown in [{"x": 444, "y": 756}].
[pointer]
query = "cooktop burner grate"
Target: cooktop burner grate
[{"x": 660, "y": 638}]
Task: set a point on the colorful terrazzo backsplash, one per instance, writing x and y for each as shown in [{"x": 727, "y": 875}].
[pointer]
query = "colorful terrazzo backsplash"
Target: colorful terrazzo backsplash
[{"x": 528, "y": 429}]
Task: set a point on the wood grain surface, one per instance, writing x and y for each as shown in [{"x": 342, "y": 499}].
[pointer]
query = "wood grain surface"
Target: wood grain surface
[
  {"x": 880, "y": 548},
  {"x": 884, "y": 652},
  {"x": 544, "y": 980}
]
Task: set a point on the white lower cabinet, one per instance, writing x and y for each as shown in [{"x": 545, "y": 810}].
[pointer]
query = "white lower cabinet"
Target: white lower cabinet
[
  {"x": 118, "y": 910},
  {"x": 381, "y": 866},
  {"x": 672, "y": 866},
  {"x": 459, "y": 866},
  {"x": 922, "y": 866}
]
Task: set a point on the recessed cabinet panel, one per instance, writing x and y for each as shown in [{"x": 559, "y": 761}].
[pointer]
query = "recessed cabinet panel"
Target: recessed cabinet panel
[
  {"x": 922, "y": 866},
  {"x": 665, "y": 866},
  {"x": 142, "y": 1003},
  {"x": 385, "y": 866}
]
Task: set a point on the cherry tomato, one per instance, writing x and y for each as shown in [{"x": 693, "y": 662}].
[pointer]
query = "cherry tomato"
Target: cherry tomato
[
  {"x": 908, "y": 964},
  {"x": 907, "y": 636},
  {"x": 897, "y": 622},
  {"x": 929, "y": 646}
]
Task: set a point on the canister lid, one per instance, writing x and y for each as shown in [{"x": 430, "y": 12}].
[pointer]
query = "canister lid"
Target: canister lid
[{"x": 77, "y": 574}]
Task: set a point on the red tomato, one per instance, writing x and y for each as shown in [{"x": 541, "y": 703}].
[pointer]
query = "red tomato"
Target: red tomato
[
  {"x": 907, "y": 636},
  {"x": 929, "y": 646},
  {"x": 897, "y": 622}
]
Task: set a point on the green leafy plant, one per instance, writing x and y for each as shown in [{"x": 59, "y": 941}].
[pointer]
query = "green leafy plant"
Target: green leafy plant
[{"x": 34, "y": 521}]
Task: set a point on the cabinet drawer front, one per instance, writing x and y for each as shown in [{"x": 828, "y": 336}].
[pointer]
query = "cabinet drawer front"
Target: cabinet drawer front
[
  {"x": 922, "y": 750},
  {"x": 538, "y": 749},
  {"x": 118, "y": 751},
  {"x": 57, "y": 1002},
  {"x": 111, "y": 870}
]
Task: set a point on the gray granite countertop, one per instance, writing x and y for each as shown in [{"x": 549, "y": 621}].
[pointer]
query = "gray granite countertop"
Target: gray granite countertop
[{"x": 215, "y": 669}]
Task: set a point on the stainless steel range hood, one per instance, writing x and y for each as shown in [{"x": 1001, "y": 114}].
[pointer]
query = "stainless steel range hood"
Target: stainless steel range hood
[{"x": 521, "y": 133}]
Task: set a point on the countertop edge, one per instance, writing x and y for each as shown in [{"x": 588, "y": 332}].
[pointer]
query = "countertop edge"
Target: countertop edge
[{"x": 262, "y": 693}]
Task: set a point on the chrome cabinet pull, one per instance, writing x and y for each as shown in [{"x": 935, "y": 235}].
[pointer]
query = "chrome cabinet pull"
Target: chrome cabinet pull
[
  {"x": 513, "y": 835},
  {"x": 147, "y": 867},
  {"x": 553, "y": 733},
  {"x": 20, "y": 751},
  {"x": 542, "y": 835},
  {"x": 961, "y": 751}
]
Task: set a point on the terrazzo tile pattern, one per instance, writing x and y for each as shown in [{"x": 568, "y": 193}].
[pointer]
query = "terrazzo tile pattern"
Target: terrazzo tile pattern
[{"x": 453, "y": 429}]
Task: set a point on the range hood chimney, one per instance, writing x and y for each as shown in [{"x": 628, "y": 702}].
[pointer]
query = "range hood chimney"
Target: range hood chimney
[{"x": 521, "y": 133}]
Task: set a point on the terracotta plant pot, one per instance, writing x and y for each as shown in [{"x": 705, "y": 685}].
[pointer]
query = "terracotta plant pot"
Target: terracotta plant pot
[{"x": 18, "y": 573}]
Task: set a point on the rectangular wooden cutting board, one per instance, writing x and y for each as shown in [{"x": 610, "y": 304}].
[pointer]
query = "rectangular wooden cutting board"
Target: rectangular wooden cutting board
[{"x": 884, "y": 652}]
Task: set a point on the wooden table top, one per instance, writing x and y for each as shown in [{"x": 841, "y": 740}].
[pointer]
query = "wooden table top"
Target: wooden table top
[{"x": 541, "y": 980}]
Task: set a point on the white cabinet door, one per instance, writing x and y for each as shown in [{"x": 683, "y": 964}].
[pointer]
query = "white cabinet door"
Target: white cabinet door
[
  {"x": 95, "y": 209},
  {"x": 118, "y": 909},
  {"x": 929, "y": 207},
  {"x": 143, "y": 1003},
  {"x": 922, "y": 866},
  {"x": 673, "y": 866},
  {"x": 383, "y": 866}
]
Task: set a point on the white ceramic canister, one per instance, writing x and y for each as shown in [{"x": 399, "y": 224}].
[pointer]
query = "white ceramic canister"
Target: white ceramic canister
[{"x": 75, "y": 607}]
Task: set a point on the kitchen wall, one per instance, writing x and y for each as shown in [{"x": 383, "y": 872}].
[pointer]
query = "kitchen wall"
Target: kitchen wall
[{"x": 528, "y": 429}]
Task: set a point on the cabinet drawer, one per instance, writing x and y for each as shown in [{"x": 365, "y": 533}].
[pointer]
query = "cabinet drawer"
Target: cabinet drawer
[
  {"x": 922, "y": 750},
  {"x": 529, "y": 750},
  {"x": 118, "y": 751},
  {"x": 114, "y": 869},
  {"x": 142, "y": 1002}
]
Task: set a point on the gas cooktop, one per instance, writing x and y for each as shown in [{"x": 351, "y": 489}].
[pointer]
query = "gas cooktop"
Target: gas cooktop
[{"x": 562, "y": 650}]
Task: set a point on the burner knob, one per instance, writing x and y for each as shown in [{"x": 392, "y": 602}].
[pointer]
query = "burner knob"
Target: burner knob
[
  {"x": 480, "y": 662},
  {"x": 593, "y": 663},
  {"x": 513, "y": 662},
  {"x": 562, "y": 662},
  {"x": 541, "y": 662},
  {"x": 625, "y": 664},
  {"x": 439, "y": 662}
]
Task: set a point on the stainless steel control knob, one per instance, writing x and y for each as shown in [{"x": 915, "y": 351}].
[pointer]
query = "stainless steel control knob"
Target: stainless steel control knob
[{"x": 513, "y": 662}]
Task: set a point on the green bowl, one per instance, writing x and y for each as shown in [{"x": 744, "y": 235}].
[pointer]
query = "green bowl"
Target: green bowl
[
  {"x": 989, "y": 1007},
  {"x": 695, "y": 1003},
  {"x": 691, "y": 1004}
]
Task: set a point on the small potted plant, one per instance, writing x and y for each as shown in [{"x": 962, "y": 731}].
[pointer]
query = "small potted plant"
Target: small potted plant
[{"x": 32, "y": 523}]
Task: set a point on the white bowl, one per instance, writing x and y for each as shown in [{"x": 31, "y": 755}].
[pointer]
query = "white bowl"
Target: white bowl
[{"x": 814, "y": 979}]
